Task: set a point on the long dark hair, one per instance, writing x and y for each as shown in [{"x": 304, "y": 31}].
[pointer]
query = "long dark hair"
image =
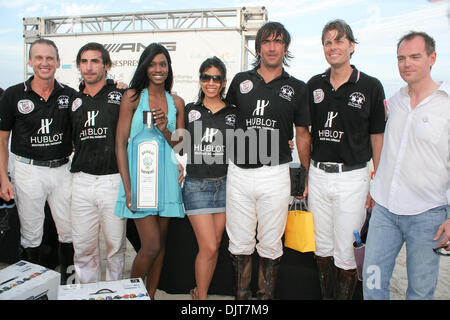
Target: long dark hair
[
  {"x": 140, "y": 79},
  {"x": 267, "y": 30},
  {"x": 208, "y": 63}
]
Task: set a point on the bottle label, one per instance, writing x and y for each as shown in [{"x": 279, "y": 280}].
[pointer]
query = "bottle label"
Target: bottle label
[{"x": 147, "y": 175}]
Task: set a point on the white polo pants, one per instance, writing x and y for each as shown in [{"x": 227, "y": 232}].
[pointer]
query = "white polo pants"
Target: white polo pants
[
  {"x": 337, "y": 202},
  {"x": 256, "y": 209},
  {"x": 34, "y": 185},
  {"x": 93, "y": 202}
]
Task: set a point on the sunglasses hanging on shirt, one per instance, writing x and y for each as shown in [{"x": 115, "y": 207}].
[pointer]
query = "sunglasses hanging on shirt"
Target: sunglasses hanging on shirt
[{"x": 441, "y": 252}]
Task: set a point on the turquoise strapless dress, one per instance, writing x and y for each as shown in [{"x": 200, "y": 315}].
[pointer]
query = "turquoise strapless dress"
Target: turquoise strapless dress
[{"x": 173, "y": 204}]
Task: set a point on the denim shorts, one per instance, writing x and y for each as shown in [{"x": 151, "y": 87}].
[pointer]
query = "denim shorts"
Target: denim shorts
[{"x": 202, "y": 196}]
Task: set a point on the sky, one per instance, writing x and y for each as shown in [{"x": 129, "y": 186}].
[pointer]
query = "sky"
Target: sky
[{"x": 377, "y": 26}]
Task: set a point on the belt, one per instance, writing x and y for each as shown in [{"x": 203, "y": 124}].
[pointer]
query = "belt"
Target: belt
[
  {"x": 336, "y": 167},
  {"x": 43, "y": 163}
]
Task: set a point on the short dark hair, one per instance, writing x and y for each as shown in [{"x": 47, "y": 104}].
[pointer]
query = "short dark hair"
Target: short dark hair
[
  {"x": 268, "y": 29},
  {"x": 341, "y": 27},
  {"x": 213, "y": 62},
  {"x": 44, "y": 41},
  {"x": 95, "y": 46},
  {"x": 140, "y": 78},
  {"x": 430, "y": 44}
]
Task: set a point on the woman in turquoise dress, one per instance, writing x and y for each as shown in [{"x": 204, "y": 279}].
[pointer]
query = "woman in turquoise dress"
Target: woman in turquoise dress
[{"x": 150, "y": 90}]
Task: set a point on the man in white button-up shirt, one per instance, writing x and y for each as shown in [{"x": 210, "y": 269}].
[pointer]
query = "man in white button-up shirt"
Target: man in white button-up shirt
[{"x": 412, "y": 179}]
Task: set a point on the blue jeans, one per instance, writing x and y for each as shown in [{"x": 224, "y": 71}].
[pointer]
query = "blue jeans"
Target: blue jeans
[{"x": 387, "y": 233}]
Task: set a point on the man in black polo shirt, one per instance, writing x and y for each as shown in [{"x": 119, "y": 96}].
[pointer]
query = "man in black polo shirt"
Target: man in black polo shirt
[
  {"x": 269, "y": 103},
  {"x": 348, "y": 120},
  {"x": 36, "y": 112},
  {"x": 94, "y": 113}
]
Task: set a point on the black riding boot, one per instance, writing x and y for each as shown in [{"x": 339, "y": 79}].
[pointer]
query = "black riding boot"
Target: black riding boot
[
  {"x": 30, "y": 254},
  {"x": 66, "y": 253}
]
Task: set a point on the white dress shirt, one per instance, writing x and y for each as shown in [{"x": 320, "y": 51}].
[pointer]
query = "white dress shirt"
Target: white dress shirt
[{"x": 413, "y": 173}]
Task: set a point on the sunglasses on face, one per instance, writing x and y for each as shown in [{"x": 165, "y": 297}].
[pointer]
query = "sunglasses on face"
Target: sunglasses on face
[{"x": 206, "y": 77}]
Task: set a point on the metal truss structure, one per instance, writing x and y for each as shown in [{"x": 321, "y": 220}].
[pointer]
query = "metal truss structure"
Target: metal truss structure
[{"x": 243, "y": 20}]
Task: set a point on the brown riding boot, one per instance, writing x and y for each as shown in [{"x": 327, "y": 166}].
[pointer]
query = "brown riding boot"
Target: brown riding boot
[
  {"x": 346, "y": 283},
  {"x": 327, "y": 277},
  {"x": 268, "y": 274},
  {"x": 242, "y": 275}
]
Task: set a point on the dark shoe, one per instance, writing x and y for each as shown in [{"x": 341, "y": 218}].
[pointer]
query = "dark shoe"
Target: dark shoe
[
  {"x": 268, "y": 274},
  {"x": 66, "y": 253},
  {"x": 346, "y": 283},
  {"x": 242, "y": 274},
  {"x": 327, "y": 277},
  {"x": 30, "y": 254}
]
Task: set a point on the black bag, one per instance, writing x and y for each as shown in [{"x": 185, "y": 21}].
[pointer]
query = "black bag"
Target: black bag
[{"x": 298, "y": 175}]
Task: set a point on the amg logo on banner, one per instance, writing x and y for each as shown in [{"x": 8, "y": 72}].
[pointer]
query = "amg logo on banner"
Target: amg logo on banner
[{"x": 136, "y": 46}]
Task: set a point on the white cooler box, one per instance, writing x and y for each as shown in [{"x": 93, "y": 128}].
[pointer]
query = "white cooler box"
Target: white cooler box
[
  {"x": 127, "y": 289},
  {"x": 27, "y": 281}
]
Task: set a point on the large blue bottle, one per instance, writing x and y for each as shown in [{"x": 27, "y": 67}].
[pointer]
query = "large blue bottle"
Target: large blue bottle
[{"x": 147, "y": 167}]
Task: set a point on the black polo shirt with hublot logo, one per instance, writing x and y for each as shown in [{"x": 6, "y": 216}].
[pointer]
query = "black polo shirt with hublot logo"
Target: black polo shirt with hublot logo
[
  {"x": 94, "y": 122},
  {"x": 207, "y": 141},
  {"x": 41, "y": 129},
  {"x": 265, "y": 111},
  {"x": 343, "y": 120}
]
